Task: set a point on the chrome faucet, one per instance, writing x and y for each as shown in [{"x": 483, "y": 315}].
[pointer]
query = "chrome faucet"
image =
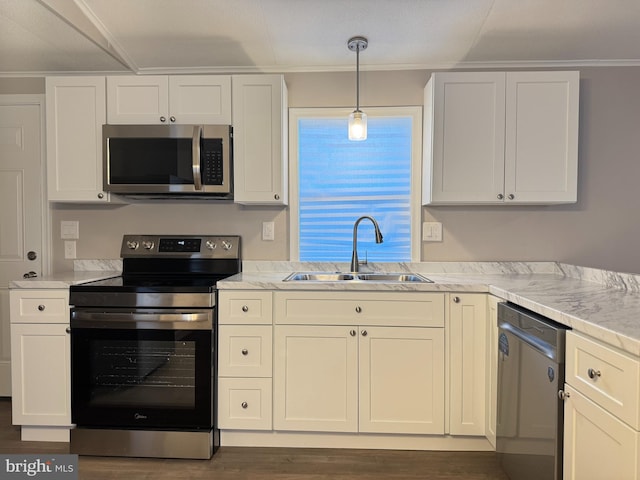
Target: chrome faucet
[{"x": 354, "y": 255}]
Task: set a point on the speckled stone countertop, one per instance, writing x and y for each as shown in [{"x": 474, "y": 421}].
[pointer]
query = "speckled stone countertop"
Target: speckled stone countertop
[{"x": 604, "y": 305}]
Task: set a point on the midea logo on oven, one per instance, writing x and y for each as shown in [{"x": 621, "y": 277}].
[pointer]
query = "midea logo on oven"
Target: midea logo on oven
[{"x": 139, "y": 416}]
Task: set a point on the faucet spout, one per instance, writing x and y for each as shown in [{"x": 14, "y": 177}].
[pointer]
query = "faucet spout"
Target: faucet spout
[{"x": 354, "y": 254}]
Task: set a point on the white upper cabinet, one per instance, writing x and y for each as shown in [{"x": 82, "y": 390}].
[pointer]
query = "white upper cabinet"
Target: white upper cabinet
[
  {"x": 260, "y": 127},
  {"x": 161, "y": 99},
  {"x": 501, "y": 138},
  {"x": 74, "y": 118}
]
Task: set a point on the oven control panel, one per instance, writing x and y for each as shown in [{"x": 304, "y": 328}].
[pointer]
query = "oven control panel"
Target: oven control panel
[{"x": 189, "y": 246}]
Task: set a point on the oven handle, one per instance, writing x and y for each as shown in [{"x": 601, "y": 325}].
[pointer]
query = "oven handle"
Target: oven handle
[{"x": 200, "y": 320}]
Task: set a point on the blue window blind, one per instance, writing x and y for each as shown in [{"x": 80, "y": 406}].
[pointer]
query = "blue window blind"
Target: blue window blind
[{"x": 340, "y": 180}]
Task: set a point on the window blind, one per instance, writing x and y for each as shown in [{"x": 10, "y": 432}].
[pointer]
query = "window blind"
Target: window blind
[{"x": 339, "y": 181}]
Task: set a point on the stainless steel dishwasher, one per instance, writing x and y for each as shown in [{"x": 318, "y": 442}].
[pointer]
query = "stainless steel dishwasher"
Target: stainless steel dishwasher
[{"x": 530, "y": 413}]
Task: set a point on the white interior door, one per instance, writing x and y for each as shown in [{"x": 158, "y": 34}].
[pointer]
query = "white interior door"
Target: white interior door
[{"x": 21, "y": 206}]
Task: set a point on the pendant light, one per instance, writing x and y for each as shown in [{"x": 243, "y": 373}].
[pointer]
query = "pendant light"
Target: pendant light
[{"x": 357, "y": 119}]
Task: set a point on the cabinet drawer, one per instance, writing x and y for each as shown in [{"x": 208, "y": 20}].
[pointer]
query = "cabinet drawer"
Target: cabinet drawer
[
  {"x": 410, "y": 309},
  {"x": 605, "y": 375},
  {"x": 39, "y": 306},
  {"x": 244, "y": 403},
  {"x": 244, "y": 351},
  {"x": 244, "y": 307}
]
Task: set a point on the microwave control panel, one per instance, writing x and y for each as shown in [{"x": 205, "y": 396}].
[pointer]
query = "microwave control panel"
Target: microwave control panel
[{"x": 211, "y": 165}]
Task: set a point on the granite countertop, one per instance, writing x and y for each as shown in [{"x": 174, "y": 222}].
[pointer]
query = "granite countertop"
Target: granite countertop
[{"x": 604, "y": 305}]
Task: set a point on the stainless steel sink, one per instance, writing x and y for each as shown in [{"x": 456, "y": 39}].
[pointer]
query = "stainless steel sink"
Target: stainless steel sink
[
  {"x": 319, "y": 277},
  {"x": 354, "y": 277},
  {"x": 393, "y": 277}
]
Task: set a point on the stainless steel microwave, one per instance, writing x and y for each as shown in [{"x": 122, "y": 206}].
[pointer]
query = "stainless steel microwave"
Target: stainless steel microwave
[{"x": 168, "y": 160}]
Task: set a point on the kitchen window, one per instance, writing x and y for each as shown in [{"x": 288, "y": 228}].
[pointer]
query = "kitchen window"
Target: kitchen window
[{"x": 334, "y": 181}]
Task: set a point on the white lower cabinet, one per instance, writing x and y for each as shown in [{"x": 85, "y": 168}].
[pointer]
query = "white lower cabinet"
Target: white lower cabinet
[
  {"x": 359, "y": 379},
  {"x": 597, "y": 445},
  {"x": 467, "y": 337},
  {"x": 41, "y": 364},
  {"x": 244, "y": 360},
  {"x": 601, "y": 411}
]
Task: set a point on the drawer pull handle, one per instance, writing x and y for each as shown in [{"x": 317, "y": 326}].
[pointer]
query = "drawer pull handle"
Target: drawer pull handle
[
  {"x": 245, "y": 351},
  {"x": 245, "y": 308},
  {"x": 593, "y": 374},
  {"x": 358, "y": 309},
  {"x": 41, "y": 308},
  {"x": 244, "y": 405}
]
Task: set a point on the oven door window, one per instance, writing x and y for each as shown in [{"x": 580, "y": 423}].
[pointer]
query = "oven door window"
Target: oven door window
[{"x": 142, "y": 378}]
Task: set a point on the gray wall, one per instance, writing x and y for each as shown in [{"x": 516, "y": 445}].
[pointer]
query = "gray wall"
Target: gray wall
[{"x": 599, "y": 231}]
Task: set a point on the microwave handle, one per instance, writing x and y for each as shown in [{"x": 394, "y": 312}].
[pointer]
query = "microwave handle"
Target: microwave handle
[{"x": 195, "y": 149}]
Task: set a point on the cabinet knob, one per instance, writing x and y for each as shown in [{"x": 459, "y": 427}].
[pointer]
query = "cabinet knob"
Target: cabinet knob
[
  {"x": 358, "y": 309},
  {"x": 352, "y": 333},
  {"x": 364, "y": 333},
  {"x": 500, "y": 196},
  {"x": 41, "y": 308},
  {"x": 244, "y": 405},
  {"x": 245, "y": 308},
  {"x": 456, "y": 299},
  {"x": 172, "y": 118},
  {"x": 68, "y": 329},
  {"x": 101, "y": 195},
  {"x": 562, "y": 395},
  {"x": 593, "y": 374},
  {"x": 163, "y": 119},
  {"x": 276, "y": 196},
  {"x": 245, "y": 352},
  {"x": 511, "y": 196}
]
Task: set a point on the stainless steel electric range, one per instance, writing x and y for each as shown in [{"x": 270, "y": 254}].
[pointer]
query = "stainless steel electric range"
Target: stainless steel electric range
[{"x": 143, "y": 349}]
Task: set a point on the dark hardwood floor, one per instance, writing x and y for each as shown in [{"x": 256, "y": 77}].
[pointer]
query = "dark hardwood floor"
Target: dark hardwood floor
[{"x": 235, "y": 463}]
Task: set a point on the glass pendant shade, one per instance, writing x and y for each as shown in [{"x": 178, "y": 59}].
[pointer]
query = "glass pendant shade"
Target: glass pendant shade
[{"x": 357, "y": 125}]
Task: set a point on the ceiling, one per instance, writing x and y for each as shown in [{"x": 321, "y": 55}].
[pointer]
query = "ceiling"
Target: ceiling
[{"x": 216, "y": 36}]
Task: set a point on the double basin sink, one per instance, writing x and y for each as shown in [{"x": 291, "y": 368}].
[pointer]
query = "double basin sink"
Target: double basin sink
[{"x": 356, "y": 277}]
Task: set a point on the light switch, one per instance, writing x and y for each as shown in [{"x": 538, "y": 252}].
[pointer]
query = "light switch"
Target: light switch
[
  {"x": 69, "y": 230},
  {"x": 431, "y": 232}
]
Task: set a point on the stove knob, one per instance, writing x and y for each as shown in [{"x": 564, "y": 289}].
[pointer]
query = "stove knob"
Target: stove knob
[
  {"x": 148, "y": 245},
  {"x": 210, "y": 244},
  {"x": 226, "y": 245},
  {"x": 132, "y": 244}
]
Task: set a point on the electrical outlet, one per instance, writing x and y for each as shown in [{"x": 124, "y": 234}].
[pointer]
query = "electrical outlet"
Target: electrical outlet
[
  {"x": 432, "y": 232},
  {"x": 268, "y": 231},
  {"x": 70, "y": 249}
]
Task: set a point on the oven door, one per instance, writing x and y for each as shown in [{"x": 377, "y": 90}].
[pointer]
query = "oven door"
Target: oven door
[{"x": 142, "y": 370}]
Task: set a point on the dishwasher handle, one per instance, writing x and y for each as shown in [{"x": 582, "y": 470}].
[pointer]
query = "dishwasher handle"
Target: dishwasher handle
[{"x": 537, "y": 343}]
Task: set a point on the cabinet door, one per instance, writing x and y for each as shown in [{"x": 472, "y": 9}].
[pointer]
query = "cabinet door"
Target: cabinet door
[
  {"x": 260, "y": 117},
  {"x": 464, "y": 138},
  {"x": 75, "y": 114},
  {"x": 200, "y": 99},
  {"x": 401, "y": 380},
  {"x": 596, "y": 444},
  {"x": 315, "y": 378},
  {"x": 467, "y": 334},
  {"x": 138, "y": 100},
  {"x": 492, "y": 368},
  {"x": 541, "y": 149},
  {"x": 41, "y": 372}
]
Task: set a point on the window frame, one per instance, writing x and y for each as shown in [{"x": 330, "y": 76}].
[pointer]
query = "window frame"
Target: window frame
[{"x": 415, "y": 112}]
